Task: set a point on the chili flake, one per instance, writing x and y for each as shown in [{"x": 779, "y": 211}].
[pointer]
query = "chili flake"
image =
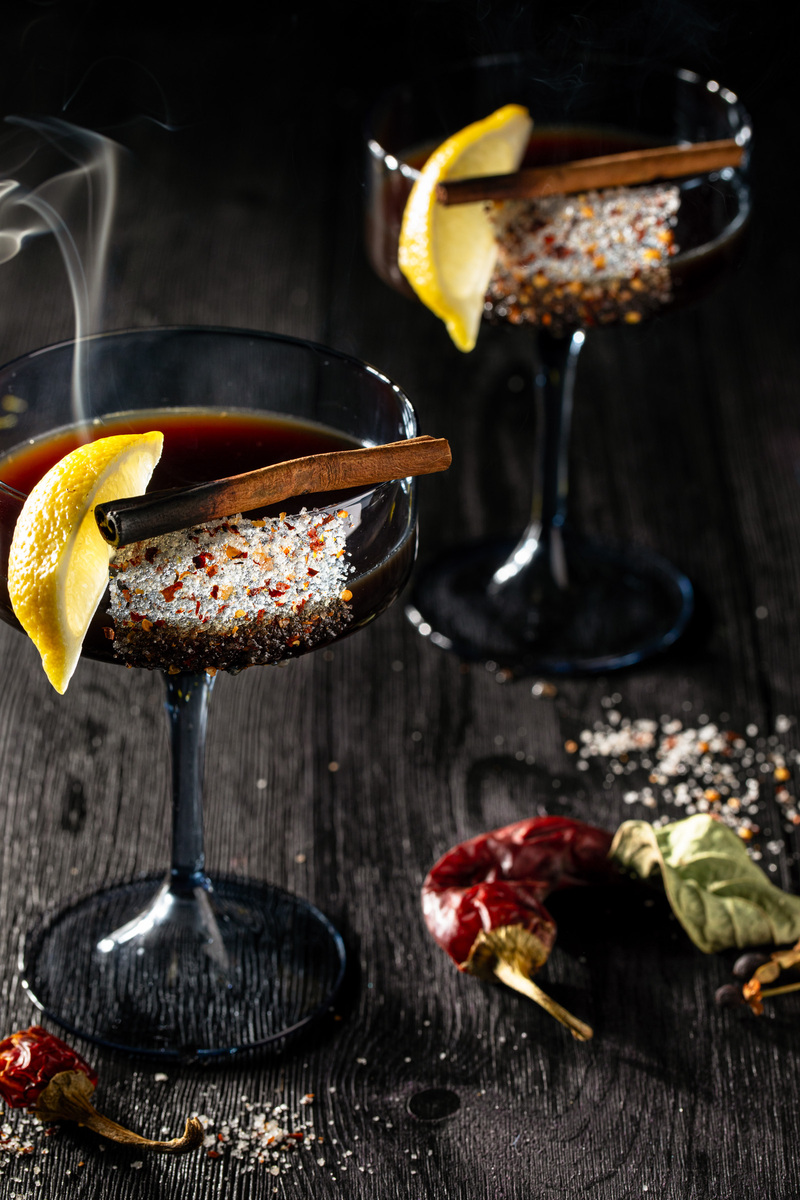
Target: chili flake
[
  {"x": 266, "y": 573},
  {"x": 169, "y": 592},
  {"x": 611, "y": 244}
]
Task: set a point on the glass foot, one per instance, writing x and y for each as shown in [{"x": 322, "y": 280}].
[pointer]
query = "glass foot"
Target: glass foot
[
  {"x": 614, "y": 607},
  {"x": 139, "y": 968}
]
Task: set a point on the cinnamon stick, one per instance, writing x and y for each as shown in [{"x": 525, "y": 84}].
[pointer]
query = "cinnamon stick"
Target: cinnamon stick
[
  {"x": 140, "y": 517},
  {"x": 608, "y": 170}
]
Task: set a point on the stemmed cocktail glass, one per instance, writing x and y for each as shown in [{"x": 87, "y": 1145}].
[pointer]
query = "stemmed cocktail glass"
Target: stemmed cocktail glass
[
  {"x": 555, "y": 600},
  {"x": 181, "y": 965}
]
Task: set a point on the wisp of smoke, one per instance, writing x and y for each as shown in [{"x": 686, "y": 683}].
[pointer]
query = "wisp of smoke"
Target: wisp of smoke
[{"x": 75, "y": 203}]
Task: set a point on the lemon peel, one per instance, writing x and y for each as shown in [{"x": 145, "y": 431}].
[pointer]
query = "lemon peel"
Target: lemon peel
[
  {"x": 448, "y": 253},
  {"x": 58, "y": 562}
]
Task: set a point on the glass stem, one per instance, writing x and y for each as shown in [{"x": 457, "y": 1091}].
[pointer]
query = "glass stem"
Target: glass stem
[
  {"x": 187, "y": 708},
  {"x": 543, "y": 538}
]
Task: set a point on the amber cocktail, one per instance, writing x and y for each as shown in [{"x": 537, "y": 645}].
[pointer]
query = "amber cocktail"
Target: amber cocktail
[
  {"x": 554, "y": 600},
  {"x": 184, "y": 965}
]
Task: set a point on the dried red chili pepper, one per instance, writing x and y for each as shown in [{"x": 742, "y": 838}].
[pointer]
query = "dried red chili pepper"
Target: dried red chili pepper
[
  {"x": 483, "y": 901},
  {"x": 40, "y": 1072},
  {"x": 29, "y": 1060}
]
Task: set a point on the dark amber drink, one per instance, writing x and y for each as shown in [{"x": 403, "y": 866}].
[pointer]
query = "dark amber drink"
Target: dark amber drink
[
  {"x": 199, "y": 444},
  {"x": 180, "y": 965},
  {"x": 708, "y": 229}
]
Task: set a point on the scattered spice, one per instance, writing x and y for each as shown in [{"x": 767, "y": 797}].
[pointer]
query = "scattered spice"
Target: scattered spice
[
  {"x": 747, "y": 964},
  {"x": 267, "y": 1136},
  {"x": 756, "y": 970},
  {"x": 754, "y": 993},
  {"x": 43, "y": 1074},
  {"x": 19, "y": 1141},
  {"x": 728, "y": 996},
  {"x": 682, "y": 768},
  {"x": 260, "y": 1137}
]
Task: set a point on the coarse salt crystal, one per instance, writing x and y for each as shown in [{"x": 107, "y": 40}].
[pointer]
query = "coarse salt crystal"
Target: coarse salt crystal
[
  {"x": 232, "y": 592},
  {"x": 703, "y": 769}
]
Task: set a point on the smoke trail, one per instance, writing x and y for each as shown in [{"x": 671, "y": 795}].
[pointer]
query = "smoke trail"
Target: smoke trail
[{"x": 75, "y": 204}]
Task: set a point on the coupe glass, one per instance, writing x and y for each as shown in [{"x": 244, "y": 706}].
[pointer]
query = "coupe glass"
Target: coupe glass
[
  {"x": 555, "y": 601},
  {"x": 181, "y": 965}
]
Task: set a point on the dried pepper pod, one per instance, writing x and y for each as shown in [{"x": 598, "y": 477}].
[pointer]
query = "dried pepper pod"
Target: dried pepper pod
[
  {"x": 41, "y": 1073},
  {"x": 483, "y": 901}
]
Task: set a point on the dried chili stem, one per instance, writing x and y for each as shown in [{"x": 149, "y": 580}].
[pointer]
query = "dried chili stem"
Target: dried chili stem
[
  {"x": 66, "y": 1098},
  {"x": 779, "y": 991},
  {"x": 514, "y": 978}
]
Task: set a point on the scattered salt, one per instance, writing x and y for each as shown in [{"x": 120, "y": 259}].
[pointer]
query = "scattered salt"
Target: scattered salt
[{"x": 706, "y": 768}]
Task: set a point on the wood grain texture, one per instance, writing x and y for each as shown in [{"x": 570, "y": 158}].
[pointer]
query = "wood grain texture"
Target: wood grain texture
[{"x": 344, "y": 775}]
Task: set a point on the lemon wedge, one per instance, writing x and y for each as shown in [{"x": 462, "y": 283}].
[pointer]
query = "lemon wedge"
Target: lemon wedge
[
  {"x": 448, "y": 253},
  {"x": 58, "y": 562}
]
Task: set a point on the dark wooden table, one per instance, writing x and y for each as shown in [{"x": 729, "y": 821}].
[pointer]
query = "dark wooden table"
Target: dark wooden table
[{"x": 381, "y": 753}]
